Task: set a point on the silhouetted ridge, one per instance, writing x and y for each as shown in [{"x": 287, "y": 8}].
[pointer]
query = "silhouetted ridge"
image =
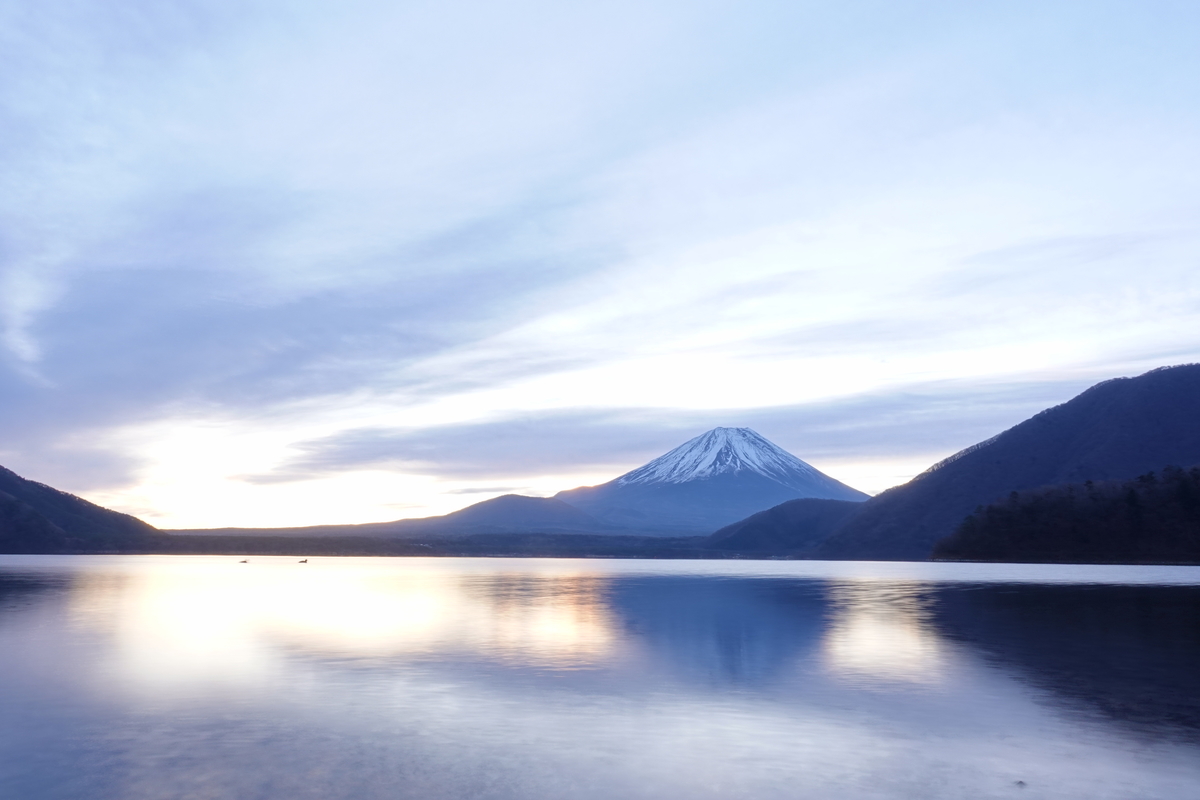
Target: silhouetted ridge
[
  {"x": 35, "y": 518},
  {"x": 1115, "y": 430},
  {"x": 794, "y": 528}
]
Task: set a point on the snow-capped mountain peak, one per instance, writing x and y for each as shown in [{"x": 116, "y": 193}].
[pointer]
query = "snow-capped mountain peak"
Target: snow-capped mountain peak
[
  {"x": 717, "y": 478},
  {"x": 721, "y": 451}
]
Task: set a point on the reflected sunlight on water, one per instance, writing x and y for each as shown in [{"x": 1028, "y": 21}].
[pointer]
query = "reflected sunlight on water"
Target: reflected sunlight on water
[
  {"x": 144, "y": 677},
  {"x": 189, "y": 623},
  {"x": 881, "y": 630}
]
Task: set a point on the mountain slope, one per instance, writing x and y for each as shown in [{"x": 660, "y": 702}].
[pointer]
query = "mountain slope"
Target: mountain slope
[
  {"x": 715, "y": 479},
  {"x": 519, "y": 511},
  {"x": 46, "y": 519},
  {"x": 24, "y": 530},
  {"x": 793, "y": 528},
  {"x": 1115, "y": 430},
  {"x": 509, "y": 513}
]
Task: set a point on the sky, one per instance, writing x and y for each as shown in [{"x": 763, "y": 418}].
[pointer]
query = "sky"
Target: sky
[{"x": 284, "y": 263}]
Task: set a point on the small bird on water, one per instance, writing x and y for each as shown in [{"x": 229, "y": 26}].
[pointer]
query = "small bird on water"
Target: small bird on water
[
  {"x": 304, "y": 561},
  {"x": 243, "y": 561}
]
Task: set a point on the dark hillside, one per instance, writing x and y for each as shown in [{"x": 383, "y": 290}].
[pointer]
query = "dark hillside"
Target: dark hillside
[
  {"x": 1154, "y": 519},
  {"x": 35, "y": 518},
  {"x": 1116, "y": 430},
  {"x": 24, "y": 530},
  {"x": 794, "y": 528}
]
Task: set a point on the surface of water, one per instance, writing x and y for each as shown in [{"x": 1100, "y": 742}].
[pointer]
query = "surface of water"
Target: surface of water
[{"x": 200, "y": 677}]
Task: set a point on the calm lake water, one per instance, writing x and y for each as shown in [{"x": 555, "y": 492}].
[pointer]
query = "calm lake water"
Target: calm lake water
[{"x": 198, "y": 677}]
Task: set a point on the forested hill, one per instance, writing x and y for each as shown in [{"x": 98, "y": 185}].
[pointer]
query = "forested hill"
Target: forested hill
[
  {"x": 1153, "y": 519},
  {"x": 1115, "y": 430},
  {"x": 794, "y": 529},
  {"x": 36, "y": 518}
]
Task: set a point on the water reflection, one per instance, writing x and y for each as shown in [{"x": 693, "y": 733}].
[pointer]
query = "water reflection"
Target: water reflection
[
  {"x": 562, "y": 619},
  {"x": 207, "y": 621},
  {"x": 734, "y": 632},
  {"x": 883, "y": 630},
  {"x": 1129, "y": 653},
  {"x": 187, "y": 623},
  {"x": 141, "y": 678},
  {"x": 18, "y": 591}
]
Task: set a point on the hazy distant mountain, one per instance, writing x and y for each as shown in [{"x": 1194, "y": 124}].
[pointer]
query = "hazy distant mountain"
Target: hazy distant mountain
[
  {"x": 1116, "y": 430},
  {"x": 508, "y": 512},
  {"x": 716, "y": 479},
  {"x": 795, "y": 528},
  {"x": 35, "y": 518}
]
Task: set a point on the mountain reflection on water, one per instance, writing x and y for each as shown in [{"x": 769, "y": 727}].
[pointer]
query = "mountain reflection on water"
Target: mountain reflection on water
[
  {"x": 198, "y": 676},
  {"x": 1131, "y": 653}
]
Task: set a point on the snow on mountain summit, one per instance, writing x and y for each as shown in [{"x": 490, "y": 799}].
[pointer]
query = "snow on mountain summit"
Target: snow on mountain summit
[
  {"x": 721, "y": 451},
  {"x": 717, "y": 478}
]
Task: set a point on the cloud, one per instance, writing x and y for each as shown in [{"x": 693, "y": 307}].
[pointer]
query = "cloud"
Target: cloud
[
  {"x": 490, "y": 240},
  {"x": 885, "y": 425}
]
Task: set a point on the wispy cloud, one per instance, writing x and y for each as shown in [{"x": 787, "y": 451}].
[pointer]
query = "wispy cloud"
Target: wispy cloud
[
  {"x": 465, "y": 243},
  {"x": 563, "y": 441}
]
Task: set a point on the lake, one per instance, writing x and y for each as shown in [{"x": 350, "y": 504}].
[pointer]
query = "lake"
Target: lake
[{"x": 159, "y": 677}]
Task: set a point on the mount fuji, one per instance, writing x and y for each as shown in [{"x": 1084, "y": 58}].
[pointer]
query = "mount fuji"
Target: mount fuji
[
  {"x": 716, "y": 479},
  {"x": 719, "y": 477}
]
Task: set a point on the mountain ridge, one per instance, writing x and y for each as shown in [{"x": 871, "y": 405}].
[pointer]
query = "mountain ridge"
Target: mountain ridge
[
  {"x": 728, "y": 480},
  {"x": 709, "y": 481},
  {"x": 794, "y": 528},
  {"x": 670, "y": 496},
  {"x": 38, "y": 518},
  {"x": 1115, "y": 430}
]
